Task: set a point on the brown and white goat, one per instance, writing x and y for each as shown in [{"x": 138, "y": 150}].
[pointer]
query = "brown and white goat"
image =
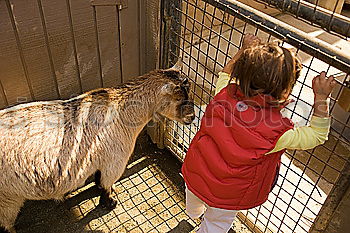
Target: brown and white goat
[{"x": 50, "y": 148}]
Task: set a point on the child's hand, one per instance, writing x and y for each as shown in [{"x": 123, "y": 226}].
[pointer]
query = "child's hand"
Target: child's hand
[
  {"x": 323, "y": 86},
  {"x": 249, "y": 40}
]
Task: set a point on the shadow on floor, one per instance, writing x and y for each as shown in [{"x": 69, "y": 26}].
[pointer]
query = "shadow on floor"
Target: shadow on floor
[
  {"x": 182, "y": 227},
  {"x": 65, "y": 217}
]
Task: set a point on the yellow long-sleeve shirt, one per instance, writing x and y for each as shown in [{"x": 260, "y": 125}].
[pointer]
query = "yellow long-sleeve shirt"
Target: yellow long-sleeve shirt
[{"x": 303, "y": 138}]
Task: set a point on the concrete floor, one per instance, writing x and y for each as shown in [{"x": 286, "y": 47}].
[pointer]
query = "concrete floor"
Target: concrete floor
[{"x": 150, "y": 196}]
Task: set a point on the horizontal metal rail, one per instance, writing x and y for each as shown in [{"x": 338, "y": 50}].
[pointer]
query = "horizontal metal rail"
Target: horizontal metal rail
[
  {"x": 287, "y": 33},
  {"x": 329, "y": 20}
]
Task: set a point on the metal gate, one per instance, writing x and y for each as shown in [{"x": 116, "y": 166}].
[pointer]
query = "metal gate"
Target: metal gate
[{"x": 205, "y": 34}]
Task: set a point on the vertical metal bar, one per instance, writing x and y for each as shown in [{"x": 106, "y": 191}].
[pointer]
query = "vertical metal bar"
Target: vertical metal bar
[
  {"x": 120, "y": 43},
  {"x": 52, "y": 68},
  {"x": 190, "y": 49},
  {"x": 217, "y": 51},
  {"x": 208, "y": 49},
  {"x": 298, "y": 8},
  {"x": 199, "y": 51},
  {"x": 77, "y": 69},
  {"x": 185, "y": 27},
  {"x": 314, "y": 13},
  {"x": 98, "y": 53},
  {"x": 329, "y": 27},
  {"x": 175, "y": 17},
  {"x": 183, "y": 45},
  {"x": 192, "y": 34},
  {"x": 241, "y": 40},
  {"x": 174, "y": 13},
  {"x": 284, "y": 5},
  {"x": 229, "y": 43},
  {"x": 20, "y": 50},
  {"x": 161, "y": 35}
]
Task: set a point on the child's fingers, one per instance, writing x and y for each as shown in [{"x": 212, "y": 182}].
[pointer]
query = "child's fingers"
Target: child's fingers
[
  {"x": 330, "y": 79},
  {"x": 250, "y": 39},
  {"x": 333, "y": 83},
  {"x": 322, "y": 76}
]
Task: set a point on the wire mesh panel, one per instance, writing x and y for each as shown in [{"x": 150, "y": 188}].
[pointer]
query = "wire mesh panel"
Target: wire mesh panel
[{"x": 205, "y": 34}]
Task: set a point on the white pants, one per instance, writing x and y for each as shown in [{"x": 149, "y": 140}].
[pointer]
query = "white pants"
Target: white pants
[{"x": 215, "y": 220}]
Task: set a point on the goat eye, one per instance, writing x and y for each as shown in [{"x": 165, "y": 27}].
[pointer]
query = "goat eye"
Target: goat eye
[
  {"x": 185, "y": 81},
  {"x": 178, "y": 97}
]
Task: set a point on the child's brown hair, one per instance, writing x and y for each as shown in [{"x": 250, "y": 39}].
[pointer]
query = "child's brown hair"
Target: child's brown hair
[{"x": 266, "y": 69}]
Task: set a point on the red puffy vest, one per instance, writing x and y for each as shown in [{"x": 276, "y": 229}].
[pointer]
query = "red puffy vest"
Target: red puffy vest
[{"x": 226, "y": 165}]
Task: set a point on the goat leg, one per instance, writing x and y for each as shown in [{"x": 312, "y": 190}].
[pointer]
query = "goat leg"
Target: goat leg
[
  {"x": 98, "y": 178},
  {"x": 106, "y": 200},
  {"x": 9, "y": 209},
  {"x": 3, "y": 230}
]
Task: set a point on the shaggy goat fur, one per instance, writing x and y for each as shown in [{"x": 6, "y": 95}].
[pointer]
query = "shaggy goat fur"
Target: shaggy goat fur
[{"x": 50, "y": 148}]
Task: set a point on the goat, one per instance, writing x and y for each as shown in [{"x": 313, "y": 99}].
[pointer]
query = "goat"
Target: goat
[{"x": 50, "y": 148}]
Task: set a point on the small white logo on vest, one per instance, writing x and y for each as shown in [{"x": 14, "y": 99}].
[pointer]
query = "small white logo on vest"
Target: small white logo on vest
[{"x": 241, "y": 106}]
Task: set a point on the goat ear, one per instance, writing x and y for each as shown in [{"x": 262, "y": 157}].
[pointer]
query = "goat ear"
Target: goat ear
[
  {"x": 168, "y": 88},
  {"x": 178, "y": 65}
]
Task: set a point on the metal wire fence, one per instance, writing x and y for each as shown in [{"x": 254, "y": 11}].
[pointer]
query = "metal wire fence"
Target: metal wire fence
[{"x": 205, "y": 34}]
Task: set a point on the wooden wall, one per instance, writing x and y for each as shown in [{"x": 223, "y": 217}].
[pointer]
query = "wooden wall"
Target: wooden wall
[{"x": 53, "y": 49}]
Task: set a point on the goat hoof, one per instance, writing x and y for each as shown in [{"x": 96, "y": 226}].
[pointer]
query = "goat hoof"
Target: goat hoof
[
  {"x": 108, "y": 203},
  {"x": 3, "y": 230}
]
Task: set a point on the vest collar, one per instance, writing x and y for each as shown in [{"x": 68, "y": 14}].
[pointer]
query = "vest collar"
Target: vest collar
[{"x": 257, "y": 101}]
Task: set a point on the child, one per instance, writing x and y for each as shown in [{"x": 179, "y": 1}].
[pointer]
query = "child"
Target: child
[{"x": 233, "y": 161}]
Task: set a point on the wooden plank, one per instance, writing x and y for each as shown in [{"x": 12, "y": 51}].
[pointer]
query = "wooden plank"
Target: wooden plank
[
  {"x": 34, "y": 49},
  {"x": 13, "y": 70},
  {"x": 130, "y": 37},
  {"x": 107, "y": 22},
  {"x": 60, "y": 42},
  {"x": 85, "y": 39}
]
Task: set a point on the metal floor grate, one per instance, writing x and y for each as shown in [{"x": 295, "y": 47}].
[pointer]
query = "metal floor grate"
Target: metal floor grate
[
  {"x": 147, "y": 202},
  {"x": 150, "y": 199}
]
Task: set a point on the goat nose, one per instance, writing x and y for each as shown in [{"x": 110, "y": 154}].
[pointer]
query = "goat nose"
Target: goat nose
[{"x": 191, "y": 116}]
